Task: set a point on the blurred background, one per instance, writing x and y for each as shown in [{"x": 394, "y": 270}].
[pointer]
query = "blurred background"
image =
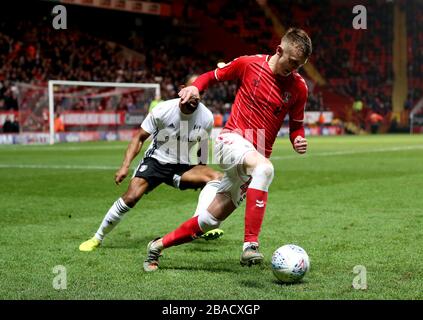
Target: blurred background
[{"x": 364, "y": 81}]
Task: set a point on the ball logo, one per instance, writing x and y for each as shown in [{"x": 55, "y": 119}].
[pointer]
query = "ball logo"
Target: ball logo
[{"x": 300, "y": 267}]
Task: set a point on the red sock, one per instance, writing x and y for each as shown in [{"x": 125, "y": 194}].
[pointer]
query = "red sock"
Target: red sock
[
  {"x": 186, "y": 232},
  {"x": 254, "y": 214}
]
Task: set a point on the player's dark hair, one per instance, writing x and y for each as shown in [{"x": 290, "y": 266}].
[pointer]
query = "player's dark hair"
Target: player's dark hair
[{"x": 300, "y": 39}]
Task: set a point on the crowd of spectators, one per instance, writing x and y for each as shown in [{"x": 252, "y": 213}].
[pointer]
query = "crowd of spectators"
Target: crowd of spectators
[
  {"x": 415, "y": 51},
  {"x": 357, "y": 63},
  {"x": 33, "y": 52}
]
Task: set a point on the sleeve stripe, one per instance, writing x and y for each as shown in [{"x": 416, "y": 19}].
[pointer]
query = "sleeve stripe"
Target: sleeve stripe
[
  {"x": 298, "y": 120},
  {"x": 215, "y": 75}
]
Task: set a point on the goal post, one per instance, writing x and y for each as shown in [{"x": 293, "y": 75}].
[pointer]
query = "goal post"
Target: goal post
[
  {"x": 53, "y": 83},
  {"x": 416, "y": 118}
]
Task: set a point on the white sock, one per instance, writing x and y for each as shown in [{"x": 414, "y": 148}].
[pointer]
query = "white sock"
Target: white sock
[
  {"x": 247, "y": 244},
  {"x": 112, "y": 218},
  {"x": 206, "y": 196}
]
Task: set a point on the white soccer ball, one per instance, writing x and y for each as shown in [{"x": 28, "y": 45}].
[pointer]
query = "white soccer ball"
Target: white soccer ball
[{"x": 290, "y": 263}]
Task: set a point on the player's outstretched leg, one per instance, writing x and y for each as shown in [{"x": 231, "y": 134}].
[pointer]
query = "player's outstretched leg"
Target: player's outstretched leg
[
  {"x": 261, "y": 177},
  {"x": 117, "y": 211},
  {"x": 90, "y": 244},
  {"x": 111, "y": 219},
  {"x": 186, "y": 232},
  {"x": 213, "y": 234},
  {"x": 204, "y": 199},
  {"x": 154, "y": 249}
]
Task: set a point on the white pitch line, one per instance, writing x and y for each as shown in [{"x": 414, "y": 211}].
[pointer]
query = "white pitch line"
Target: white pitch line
[
  {"x": 341, "y": 153},
  {"x": 66, "y": 167},
  {"x": 47, "y": 148},
  {"x": 321, "y": 154}
]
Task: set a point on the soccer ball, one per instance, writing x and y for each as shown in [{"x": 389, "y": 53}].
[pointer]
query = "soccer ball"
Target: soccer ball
[{"x": 290, "y": 263}]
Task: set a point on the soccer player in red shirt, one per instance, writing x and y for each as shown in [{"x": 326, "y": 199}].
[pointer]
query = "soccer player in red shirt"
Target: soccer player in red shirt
[{"x": 269, "y": 89}]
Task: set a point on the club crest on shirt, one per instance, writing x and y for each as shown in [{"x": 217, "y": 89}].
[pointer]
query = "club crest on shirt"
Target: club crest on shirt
[
  {"x": 286, "y": 96},
  {"x": 256, "y": 83}
]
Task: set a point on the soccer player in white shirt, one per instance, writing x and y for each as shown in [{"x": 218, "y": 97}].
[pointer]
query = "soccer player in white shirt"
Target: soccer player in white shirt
[{"x": 177, "y": 130}]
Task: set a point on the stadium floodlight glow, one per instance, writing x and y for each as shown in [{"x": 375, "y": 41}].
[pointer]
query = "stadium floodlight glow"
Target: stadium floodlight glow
[{"x": 52, "y": 83}]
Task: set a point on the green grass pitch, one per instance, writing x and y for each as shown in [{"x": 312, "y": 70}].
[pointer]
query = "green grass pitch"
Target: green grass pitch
[{"x": 350, "y": 201}]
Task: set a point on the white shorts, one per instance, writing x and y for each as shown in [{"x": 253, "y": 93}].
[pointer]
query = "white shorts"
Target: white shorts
[{"x": 230, "y": 150}]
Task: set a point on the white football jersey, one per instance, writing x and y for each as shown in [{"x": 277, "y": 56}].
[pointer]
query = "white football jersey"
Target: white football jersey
[{"x": 176, "y": 135}]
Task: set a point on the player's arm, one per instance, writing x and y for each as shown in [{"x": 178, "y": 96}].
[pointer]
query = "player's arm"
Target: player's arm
[
  {"x": 148, "y": 126},
  {"x": 230, "y": 71},
  {"x": 296, "y": 123},
  {"x": 132, "y": 151}
]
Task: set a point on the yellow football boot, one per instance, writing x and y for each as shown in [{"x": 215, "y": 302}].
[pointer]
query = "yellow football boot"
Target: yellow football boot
[{"x": 90, "y": 245}]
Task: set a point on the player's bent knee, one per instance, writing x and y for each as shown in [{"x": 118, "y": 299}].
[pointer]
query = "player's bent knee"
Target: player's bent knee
[
  {"x": 207, "y": 174},
  {"x": 131, "y": 198},
  {"x": 265, "y": 171},
  {"x": 184, "y": 185},
  {"x": 211, "y": 176},
  {"x": 207, "y": 222},
  {"x": 262, "y": 176},
  {"x": 216, "y": 176}
]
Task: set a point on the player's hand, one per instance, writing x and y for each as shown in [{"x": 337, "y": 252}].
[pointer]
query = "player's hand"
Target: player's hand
[
  {"x": 120, "y": 175},
  {"x": 188, "y": 92},
  {"x": 300, "y": 145}
]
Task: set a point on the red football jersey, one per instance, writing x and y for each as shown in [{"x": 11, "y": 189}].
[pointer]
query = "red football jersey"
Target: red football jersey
[{"x": 262, "y": 101}]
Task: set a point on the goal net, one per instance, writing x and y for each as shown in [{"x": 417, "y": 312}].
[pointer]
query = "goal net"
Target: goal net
[{"x": 76, "y": 111}]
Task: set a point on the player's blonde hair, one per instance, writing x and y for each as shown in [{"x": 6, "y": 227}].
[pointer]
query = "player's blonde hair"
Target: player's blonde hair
[{"x": 299, "y": 39}]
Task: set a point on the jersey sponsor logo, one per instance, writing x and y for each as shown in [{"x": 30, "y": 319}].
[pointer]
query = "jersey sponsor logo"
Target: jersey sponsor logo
[
  {"x": 197, "y": 127},
  {"x": 286, "y": 96},
  {"x": 244, "y": 186}
]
